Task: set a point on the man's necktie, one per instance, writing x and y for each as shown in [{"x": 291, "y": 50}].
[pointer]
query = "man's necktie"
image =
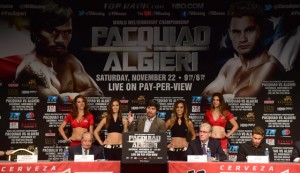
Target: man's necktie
[
  {"x": 204, "y": 149},
  {"x": 85, "y": 152}
]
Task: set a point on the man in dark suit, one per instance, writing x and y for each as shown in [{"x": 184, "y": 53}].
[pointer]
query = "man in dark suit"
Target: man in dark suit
[
  {"x": 199, "y": 147},
  {"x": 295, "y": 157},
  {"x": 149, "y": 123},
  {"x": 86, "y": 148}
]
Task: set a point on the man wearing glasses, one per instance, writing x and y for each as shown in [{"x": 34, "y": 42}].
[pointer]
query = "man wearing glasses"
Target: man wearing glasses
[{"x": 199, "y": 147}]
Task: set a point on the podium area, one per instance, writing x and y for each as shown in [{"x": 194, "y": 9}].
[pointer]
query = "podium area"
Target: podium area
[
  {"x": 170, "y": 167},
  {"x": 144, "y": 168}
]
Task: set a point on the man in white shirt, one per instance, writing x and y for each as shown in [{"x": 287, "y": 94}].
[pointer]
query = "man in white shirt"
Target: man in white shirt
[
  {"x": 86, "y": 148},
  {"x": 199, "y": 146}
]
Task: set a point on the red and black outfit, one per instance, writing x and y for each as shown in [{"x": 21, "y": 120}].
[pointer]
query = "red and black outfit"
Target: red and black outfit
[
  {"x": 85, "y": 122},
  {"x": 221, "y": 121}
]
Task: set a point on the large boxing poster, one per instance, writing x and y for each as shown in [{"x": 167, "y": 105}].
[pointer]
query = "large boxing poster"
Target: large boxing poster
[{"x": 136, "y": 51}]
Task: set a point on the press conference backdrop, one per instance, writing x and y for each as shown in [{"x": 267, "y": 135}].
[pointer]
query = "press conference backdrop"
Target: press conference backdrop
[{"x": 136, "y": 51}]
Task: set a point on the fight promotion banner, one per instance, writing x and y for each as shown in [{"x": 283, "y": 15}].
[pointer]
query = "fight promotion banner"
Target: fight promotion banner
[
  {"x": 144, "y": 148},
  {"x": 138, "y": 50}
]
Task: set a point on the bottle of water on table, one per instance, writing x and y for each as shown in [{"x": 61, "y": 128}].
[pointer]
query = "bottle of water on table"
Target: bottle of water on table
[
  {"x": 66, "y": 154},
  {"x": 36, "y": 152},
  {"x": 267, "y": 153},
  {"x": 208, "y": 152}
]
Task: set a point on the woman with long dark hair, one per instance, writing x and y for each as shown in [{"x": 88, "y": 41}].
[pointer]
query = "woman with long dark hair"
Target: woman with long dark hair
[
  {"x": 115, "y": 125},
  {"x": 180, "y": 126},
  {"x": 217, "y": 116}
]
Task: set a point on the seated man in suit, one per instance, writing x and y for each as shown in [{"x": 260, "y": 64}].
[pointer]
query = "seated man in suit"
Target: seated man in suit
[
  {"x": 295, "y": 157},
  {"x": 86, "y": 148},
  {"x": 256, "y": 146},
  {"x": 149, "y": 123},
  {"x": 199, "y": 147}
]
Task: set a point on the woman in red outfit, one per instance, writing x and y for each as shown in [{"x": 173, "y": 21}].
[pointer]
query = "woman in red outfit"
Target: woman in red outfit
[
  {"x": 81, "y": 120},
  {"x": 217, "y": 116}
]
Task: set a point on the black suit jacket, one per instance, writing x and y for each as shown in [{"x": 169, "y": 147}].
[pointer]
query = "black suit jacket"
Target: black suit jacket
[
  {"x": 97, "y": 151},
  {"x": 195, "y": 148},
  {"x": 296, "y": 151}
]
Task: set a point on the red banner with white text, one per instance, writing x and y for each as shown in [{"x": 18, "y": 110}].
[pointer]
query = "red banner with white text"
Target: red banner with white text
[
  {"x": 61, "y": 167},
  {"x": 232, "y": 167}
]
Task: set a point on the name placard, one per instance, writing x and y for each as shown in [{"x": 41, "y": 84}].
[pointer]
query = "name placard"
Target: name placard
[
  {"x": 83, "y": 158},
  {"x": 297, "y": 160},
  {"x": 257, "y": 159},
  {"x": 27, "y": 158},
  {"x": 197, "y": 158}
]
